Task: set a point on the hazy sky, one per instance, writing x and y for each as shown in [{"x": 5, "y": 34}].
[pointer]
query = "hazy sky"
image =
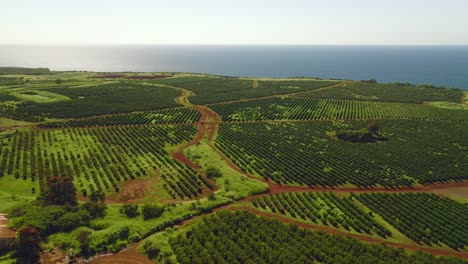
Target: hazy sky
[{"x": 234, "y": 22}]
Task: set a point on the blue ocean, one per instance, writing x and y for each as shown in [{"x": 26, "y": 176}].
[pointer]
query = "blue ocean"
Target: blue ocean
[{"x": 439, "y": 65}]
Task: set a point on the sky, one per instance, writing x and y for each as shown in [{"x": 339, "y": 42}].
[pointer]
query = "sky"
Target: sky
[{"x": 270, "y": 22}]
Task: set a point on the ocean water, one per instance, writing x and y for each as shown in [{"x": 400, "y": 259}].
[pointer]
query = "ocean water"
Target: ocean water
[{"x": 438, "y": 65}]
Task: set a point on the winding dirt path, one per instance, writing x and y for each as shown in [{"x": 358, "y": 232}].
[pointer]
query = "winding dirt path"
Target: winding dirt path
[{"x": 208, "y": 127}]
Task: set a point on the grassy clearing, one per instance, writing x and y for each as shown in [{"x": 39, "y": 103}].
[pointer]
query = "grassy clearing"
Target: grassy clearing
[
  {"x": 114, "y": 222},
  {"x": 10, "y": 199},
  {"x": 38, "y": 96},
  {"x": 449, "y": 105},
  {"x": 231, "y": 184},
  {"x": 11, "y": 123}
]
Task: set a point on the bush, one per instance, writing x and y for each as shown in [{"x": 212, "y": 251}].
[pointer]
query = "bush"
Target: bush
[
  {"x": 130, "y": 210},
  {"x": 96, "y": 210},
  {"x": 151, "y": 211},
  {"x": 71, "y": 220},
  {"x": 151, "y": 250},
  {"x": 213, "y": 173}
]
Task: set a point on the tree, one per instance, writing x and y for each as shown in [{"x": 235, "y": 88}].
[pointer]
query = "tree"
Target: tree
[
  {"x": 97, "y": 196},
  {"x": 27, "y": 246},
  {"x": 150, "y": 250},
  {"x": 213, "y": 173},
  {"x": 130, "y": 210},
  {"x": 151, "y": 211},
  {"x": 59, "y": 191}
]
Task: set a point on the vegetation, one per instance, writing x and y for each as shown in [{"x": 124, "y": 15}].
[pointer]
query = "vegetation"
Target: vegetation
[
  {"x": 289, "y": 108},
  {"x": 241, "y": 237},
  {"x": 59, "y": 191},
  {"x": 392, "y": 92},
  {"x": 425, "y": 218},
  {"x": 304, "y": 153},
  {"x": 24, "y": 71},
  {"x": 102, "y": 99},
  {"x": 169, "y": 116},
  {"x": 151, "y": 211},
  {"x": 322, "y": 208},
  {"x": 132, "y": 158},
  {"x": 215, "y": 89},
  {"x": 27, "y": 247},
  {"x": 368, "y": 134},
  {"x": 100, "y": 158}
]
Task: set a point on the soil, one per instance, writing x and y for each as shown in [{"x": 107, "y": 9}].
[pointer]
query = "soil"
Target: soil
[
  {"x": 128, "y": 255},
  {"x": 5, "y": 232}
]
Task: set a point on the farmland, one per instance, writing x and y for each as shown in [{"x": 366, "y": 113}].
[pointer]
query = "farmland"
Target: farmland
[
  {"x": 199, "y": 168},
  {"x": 329, "y": 109},
  {"x": 306, "y": 153},
  {"x": 396, "y": 92}
]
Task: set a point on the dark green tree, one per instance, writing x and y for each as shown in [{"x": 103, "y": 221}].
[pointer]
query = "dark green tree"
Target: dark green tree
[
  {"x": 59, "y": 191},
  {"x": 27, "y": 248}
]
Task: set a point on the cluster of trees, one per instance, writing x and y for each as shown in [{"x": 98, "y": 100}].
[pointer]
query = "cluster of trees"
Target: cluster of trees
[
  {"x": 101, "y": 158},
  {"x": 392, "y": 92},
  {"x": 241, "y": 237},
  {"x": 425, "y": 218},
  {"x": 303, "y": 152},
  {"x": 215, "y": 89},
  {"x": 292, "y": 108},
  {"x": 169, "y": 116},
  {"x": 369, "y": 134},
  {"x": 148, "y": 211},
  {"x": 55, "y": 210},
  {"x": 325, "y": 208}
]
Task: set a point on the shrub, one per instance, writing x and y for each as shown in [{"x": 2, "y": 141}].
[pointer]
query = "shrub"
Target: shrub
[
  {"x": 151, "y": 250},
  {"x": 130, "y": 210},
  {"x": 213, "y": 172},
  {"x": 151, "y": 211}
]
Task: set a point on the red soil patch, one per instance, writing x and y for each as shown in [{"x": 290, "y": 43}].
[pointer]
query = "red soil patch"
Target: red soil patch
[
  {"x": 5, "y": 232},
  {"x": 128, "y": 255},
  {"x": 330, "y": 230},
  {"x": 132, "y": 191},
  {"x": 455, "y": 192}
]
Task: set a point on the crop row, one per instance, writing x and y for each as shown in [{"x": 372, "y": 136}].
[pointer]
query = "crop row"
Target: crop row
[
  {"x": 393, "y": 92},
  {"x": 414, "y": 152},
  {"x": 101, "y": 158},
  {"x": 324, "y": 207},
  {"x": 168, "y": 116},
  {"x": 291, "y": 108},
  {"x": 104, "y": 99},
  {"x": 215, "y": 89},
  {"x": 425, "y": 218},
  {"x": 241, "y": 237}
]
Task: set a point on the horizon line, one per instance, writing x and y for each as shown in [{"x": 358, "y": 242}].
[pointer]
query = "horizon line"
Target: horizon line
[{"x": 218, "y": 44}]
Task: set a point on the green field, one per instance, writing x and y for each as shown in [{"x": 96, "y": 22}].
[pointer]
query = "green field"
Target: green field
[{"x": 199, "y": 168}]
